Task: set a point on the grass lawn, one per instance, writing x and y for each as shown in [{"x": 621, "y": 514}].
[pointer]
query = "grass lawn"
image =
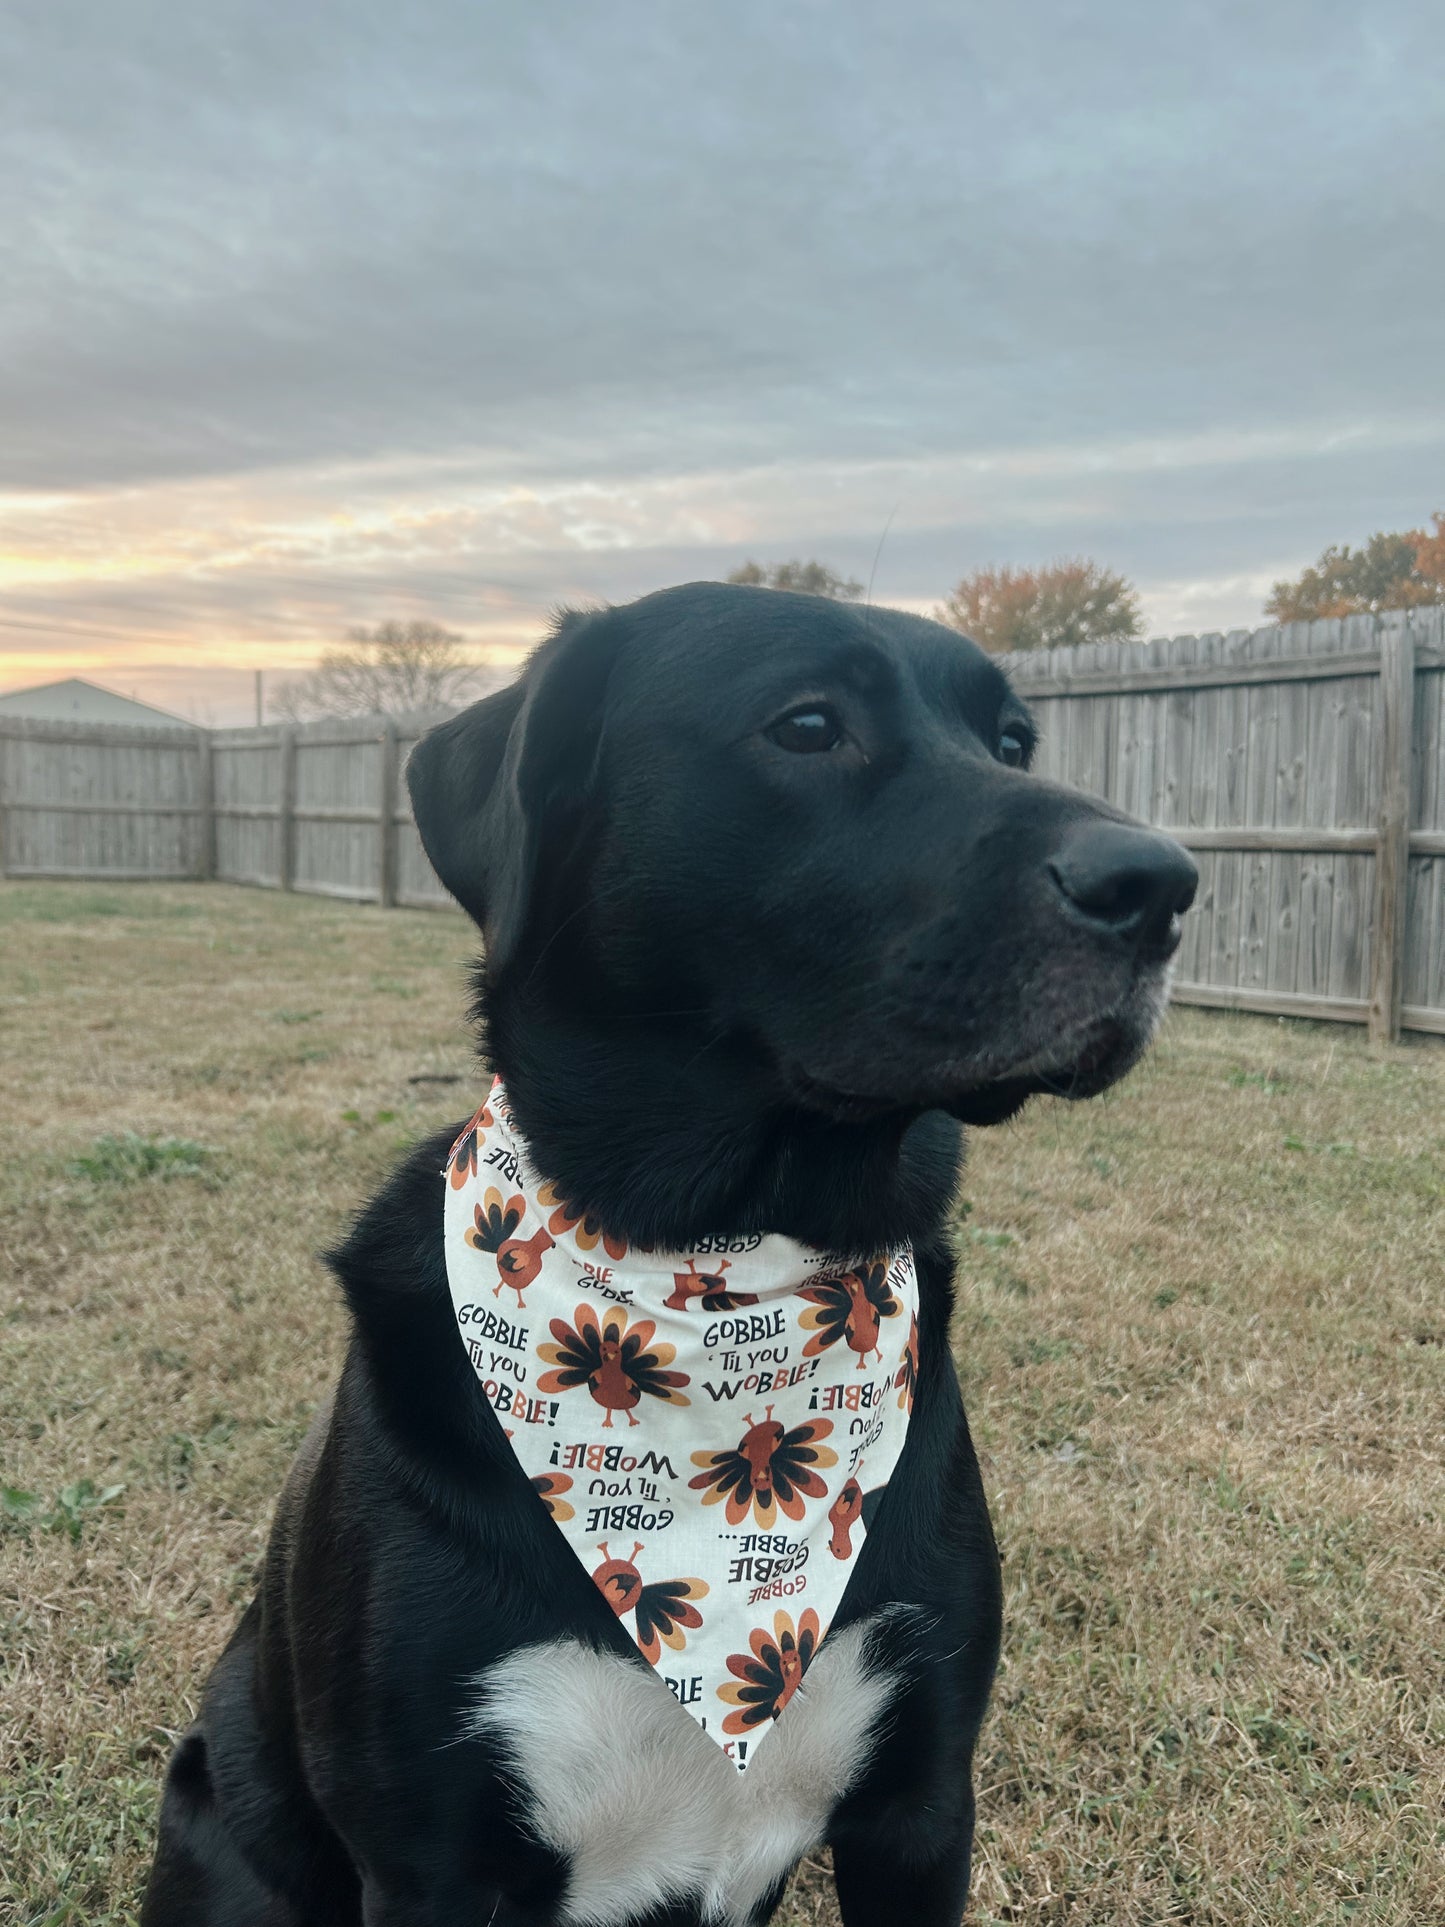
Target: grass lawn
[{"x": 1200, "y": 1328}]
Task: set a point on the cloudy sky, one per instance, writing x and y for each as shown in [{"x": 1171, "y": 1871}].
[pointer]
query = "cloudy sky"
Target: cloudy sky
[{"x": 313, "y": 314}]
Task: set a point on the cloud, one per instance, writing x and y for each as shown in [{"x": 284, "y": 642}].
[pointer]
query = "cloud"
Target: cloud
[{"x": 465, "y": 309}]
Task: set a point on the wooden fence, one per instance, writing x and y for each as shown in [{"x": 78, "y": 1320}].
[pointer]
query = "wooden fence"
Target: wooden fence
[
  {"x": 319, "y": 808},
  {"x": 1304, "y": 766},
  {"x": 91, "y": 800}
]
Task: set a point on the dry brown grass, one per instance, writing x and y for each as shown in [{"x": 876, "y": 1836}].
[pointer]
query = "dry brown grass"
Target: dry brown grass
[{"x": 1200, "y": 1331}]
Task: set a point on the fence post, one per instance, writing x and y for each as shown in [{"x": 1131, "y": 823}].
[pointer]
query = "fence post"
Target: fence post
[
  {"x": 1392, "y": 855},
  {"x": 287, "y": 809},
  {"x": 206, "y": 798},
  {"x": 385, "y": 823},
  {"x": 4, "y": 779}
]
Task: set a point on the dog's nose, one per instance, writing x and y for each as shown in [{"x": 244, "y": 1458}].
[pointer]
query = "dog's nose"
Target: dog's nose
[{"x": 1131, "y": 882}]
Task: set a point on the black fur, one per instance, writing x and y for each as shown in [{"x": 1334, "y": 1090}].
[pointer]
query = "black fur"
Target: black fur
[{"x": 731, "y": 988}]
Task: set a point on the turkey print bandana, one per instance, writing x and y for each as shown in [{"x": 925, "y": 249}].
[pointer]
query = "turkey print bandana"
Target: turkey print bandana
[{"x": 707, "y": 1428}]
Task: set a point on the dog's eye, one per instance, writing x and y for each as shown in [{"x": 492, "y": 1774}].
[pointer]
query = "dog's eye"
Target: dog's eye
[
  {"x": 805, "y": 730},
  {"x": 1013, "y": 747}
]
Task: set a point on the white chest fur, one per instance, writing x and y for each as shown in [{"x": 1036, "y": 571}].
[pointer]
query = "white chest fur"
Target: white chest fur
[{"x": 645, "y": 1806}]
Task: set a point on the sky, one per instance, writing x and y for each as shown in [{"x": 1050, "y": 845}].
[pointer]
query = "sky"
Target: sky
[{"x": 315, "y": 315}]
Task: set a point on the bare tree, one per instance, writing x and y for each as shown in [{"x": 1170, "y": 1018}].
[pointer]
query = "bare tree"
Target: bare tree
[
  {"x": 395, "y": 666},
  {"x": 807, "y": 578}
]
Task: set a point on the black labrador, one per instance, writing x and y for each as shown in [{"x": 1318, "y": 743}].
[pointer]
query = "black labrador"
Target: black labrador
[{"x": 772, "y": 909}]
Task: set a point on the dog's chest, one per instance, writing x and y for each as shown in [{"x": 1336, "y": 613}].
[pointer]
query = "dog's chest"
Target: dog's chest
[{"x": 646, "y": 1809}]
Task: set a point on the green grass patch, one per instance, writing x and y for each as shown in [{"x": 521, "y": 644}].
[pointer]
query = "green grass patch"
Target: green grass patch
[
  {"x": 128, "y": 1158},
  {"x": 68, "y": 1512}
]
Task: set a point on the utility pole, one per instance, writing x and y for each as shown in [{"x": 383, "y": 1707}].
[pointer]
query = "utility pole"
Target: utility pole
[{"x": 260, "y": 701}]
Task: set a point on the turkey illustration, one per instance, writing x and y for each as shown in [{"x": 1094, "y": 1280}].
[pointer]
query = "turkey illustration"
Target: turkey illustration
[
  {"x": 613, "y": 1360},
  {"x": 709, "y": 1288},
  {"x": 767, "y": 1676},
  {"x": 462, "y": 1163},
  {"x": 664, "y": 1608},
  {"x": 494, "y": 1225},
  {"x": 768, "y": 1468},
  {"x": 851, "y": 1307}
]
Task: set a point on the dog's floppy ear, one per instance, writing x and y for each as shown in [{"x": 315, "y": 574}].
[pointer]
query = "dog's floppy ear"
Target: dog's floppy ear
[{"x": 486, "y": 786}]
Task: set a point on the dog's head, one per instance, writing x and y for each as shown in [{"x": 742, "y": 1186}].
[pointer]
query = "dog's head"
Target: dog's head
[{"x": 810, "y": 831}]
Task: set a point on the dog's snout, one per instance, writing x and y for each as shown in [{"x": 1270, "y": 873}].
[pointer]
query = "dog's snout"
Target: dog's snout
[{"x": 1132, "y": 882}]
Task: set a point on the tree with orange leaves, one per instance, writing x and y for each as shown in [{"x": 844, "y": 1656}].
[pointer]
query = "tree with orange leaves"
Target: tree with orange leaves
[
  {"x": 1391, "y": 571},
  {"x": 1430, "y": 554},
  {"x": 1063, "y": 603}
]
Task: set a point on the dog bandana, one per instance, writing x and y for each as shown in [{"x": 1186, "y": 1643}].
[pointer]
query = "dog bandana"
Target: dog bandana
[{"x": 708, "y": 1429}]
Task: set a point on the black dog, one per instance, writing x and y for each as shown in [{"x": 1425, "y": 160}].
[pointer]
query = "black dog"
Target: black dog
[{"x": 772, "y": 907}]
